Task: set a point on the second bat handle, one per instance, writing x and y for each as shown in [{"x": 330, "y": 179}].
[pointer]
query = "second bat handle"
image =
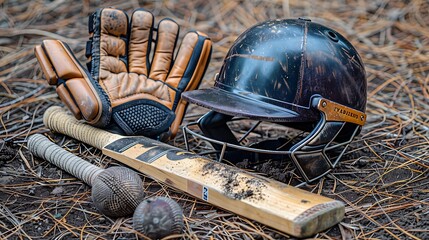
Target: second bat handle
[
  {"x": 56, "y": 119},
  {"x": 42, "y": 147}
]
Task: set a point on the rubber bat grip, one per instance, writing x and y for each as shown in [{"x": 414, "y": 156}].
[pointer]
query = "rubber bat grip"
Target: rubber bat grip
[{"x": 42, "y": 147}]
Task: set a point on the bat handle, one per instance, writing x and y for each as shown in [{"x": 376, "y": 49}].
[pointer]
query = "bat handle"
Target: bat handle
[
  {"x": 42, "y": 147},
  {"x": 56, "y": 119}
]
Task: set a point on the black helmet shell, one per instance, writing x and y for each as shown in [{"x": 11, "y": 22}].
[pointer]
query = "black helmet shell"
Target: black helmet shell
[{"x": 273, "y": 69}]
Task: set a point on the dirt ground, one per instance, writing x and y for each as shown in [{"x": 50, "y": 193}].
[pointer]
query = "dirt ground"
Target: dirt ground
[{"x": 382, "y": 178}]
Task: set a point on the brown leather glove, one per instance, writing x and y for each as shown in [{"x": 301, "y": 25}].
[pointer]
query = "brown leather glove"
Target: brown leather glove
[{"x": 125, "y": 90}]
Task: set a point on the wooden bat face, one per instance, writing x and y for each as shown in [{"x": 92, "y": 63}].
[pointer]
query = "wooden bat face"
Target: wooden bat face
[{"x": 288, "y": 209}]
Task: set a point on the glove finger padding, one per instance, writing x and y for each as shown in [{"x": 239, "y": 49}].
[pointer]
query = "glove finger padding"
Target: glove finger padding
[
  {"x": 75, "y": 86},
  {"x": 188, "y": 70},
  {"x": 141, "y": 24},
  {"x": 166, "y": 40}
]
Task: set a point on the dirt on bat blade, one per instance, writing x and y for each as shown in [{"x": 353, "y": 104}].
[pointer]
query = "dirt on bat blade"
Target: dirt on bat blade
[{"x": 234, "y": 184}]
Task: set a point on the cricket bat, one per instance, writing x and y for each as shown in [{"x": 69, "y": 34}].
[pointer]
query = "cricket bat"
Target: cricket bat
[{"x": 291, "y": 210}]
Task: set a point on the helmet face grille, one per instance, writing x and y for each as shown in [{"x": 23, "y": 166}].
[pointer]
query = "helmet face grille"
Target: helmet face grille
[
  {"x": 317, "y": 154},
  {"x": 313, "y": 155}
]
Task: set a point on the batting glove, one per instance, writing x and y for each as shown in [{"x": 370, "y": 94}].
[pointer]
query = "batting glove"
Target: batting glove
[{"x": 125, "y": 88}]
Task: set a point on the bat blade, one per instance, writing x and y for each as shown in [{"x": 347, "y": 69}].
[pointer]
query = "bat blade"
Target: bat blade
[{"x": 288, "y": 209}]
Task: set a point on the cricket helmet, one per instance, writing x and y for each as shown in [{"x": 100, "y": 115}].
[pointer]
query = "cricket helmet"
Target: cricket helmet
[{"x": 294, "y": 72}]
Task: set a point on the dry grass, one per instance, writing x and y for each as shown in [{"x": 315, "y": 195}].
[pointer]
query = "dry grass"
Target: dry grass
[{"x": 383, "y": 178}]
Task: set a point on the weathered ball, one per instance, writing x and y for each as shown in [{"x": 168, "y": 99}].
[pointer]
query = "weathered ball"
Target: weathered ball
[
  {"x": 158, "y": 217},
  {"x": 117, "y": 191}
]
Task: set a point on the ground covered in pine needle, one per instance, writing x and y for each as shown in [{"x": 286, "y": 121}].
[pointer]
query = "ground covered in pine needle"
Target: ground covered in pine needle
[{"x": 382, "y": 179}]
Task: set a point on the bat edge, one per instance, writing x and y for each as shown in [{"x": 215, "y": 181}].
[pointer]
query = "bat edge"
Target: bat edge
[{"x": 319, "y": 218}]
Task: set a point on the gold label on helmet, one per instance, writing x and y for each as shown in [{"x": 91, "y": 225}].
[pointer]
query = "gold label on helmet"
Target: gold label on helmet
[
  {"x": 337, "y": 112},
  {"x": 346, "y": 113}
]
